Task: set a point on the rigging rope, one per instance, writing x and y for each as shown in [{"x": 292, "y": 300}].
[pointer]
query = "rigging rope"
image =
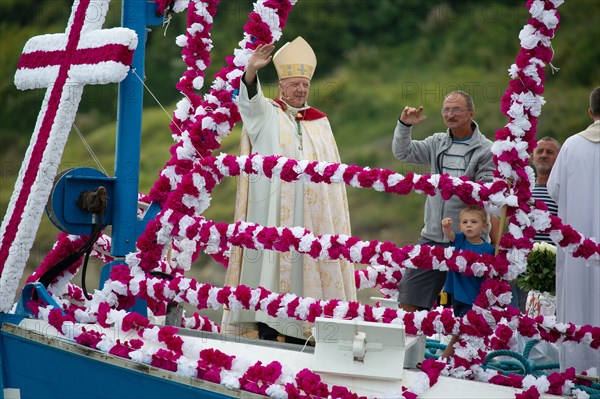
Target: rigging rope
[
  {"x": 520, "y": 361},
  {"x": 155, "y": 98},
  {"x": 162, "y": 107},
  {"x": 90, "y": 150}
]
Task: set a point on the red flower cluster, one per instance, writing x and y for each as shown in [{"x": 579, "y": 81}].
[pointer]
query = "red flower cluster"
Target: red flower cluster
[
  {"x": 123, "y": 349},
  {"x": 165, "y": 359},
  {"x": 309, "y": 385},
  {"x": 211, "y": 362},
  {"x": 259, "y": 378}
]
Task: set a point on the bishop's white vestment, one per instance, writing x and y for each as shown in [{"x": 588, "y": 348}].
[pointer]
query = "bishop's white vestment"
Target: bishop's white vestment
[
  {"x": 274, "y": 128},
  {"x": 574, "y": 184}
]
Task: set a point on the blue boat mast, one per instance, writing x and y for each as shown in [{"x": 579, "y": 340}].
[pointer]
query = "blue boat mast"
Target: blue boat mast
[{"x": 136, "y": 15}]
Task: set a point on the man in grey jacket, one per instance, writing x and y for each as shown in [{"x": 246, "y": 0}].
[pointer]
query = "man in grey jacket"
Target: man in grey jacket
[{"x": 460, "y": 151}]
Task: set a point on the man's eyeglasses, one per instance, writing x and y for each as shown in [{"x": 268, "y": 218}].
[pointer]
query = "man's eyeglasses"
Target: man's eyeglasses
[{"x": 453, "y": 111}]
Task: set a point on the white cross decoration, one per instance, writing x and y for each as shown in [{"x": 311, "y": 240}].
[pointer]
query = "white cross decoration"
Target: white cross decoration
[{"x": 63, "y": 63}]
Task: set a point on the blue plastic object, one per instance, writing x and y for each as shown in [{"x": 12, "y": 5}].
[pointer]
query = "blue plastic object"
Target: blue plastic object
[{"x": 27, "y": 295}]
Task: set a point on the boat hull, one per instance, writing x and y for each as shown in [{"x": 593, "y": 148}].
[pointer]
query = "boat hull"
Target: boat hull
[{"x": 39, "y": 365}]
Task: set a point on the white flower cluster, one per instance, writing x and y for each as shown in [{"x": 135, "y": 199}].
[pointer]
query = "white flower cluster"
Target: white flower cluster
[{"x": 544, "y": 246}]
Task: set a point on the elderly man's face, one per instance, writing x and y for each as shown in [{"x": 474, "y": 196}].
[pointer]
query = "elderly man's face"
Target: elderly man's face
[
  {"x": 294, "y": 91},
  {"x": 544, "y": 156},
  {"x": 456, "y": 114}
]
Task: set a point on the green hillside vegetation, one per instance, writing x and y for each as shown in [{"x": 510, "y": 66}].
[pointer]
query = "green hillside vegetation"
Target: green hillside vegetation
[{"x": 375, "y": 57}]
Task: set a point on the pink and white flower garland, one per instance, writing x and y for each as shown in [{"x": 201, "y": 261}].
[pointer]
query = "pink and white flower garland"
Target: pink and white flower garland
[
  {"x": 286, "y": 305},
  {"x": 193, "y": 195},
  {"x": 126, "y": 283},
  {"x": 162, "y": 347}
]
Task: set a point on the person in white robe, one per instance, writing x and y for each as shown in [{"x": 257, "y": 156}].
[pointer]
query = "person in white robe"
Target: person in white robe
[
  {"x": 574, "y": 184},
  {"x": 286, "y": 126}
]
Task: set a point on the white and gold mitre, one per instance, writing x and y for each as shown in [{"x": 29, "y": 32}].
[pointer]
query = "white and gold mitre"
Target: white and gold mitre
[{"x": 294, "y": 59}]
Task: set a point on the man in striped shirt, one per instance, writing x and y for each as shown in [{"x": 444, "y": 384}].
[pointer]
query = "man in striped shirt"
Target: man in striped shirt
[{"x": 543, "y": 159}]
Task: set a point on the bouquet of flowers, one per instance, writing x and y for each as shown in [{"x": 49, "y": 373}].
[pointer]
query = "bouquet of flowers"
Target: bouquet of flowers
[{"x": 541, "y": 269}]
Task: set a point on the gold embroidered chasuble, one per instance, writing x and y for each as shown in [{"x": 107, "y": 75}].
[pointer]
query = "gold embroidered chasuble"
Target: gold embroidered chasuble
[{"x": 318, "y": 207}]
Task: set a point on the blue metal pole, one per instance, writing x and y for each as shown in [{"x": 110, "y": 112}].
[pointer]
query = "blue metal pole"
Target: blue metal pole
[
  {"x": 129, "y": 126},
  {"x": 136, "y": 15}
]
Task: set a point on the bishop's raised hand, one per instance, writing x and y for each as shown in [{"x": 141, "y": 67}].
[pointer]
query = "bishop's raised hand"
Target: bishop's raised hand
[{"x": 259, "y": 59}]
